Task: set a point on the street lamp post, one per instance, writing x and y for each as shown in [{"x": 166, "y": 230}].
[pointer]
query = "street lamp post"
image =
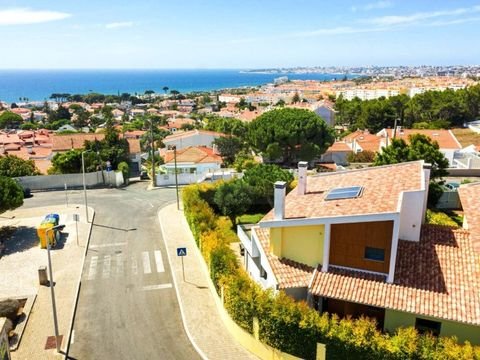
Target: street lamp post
[
  {"x": 154, "y": 180},
  {"x": 52, "y": 291},
  {"x": 174, "y": 147},
  {"x": 84, "y": 183}
]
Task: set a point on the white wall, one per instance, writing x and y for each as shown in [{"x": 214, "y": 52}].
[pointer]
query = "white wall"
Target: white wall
[
  {"x": 411, "y": 215},
  {"x": 193, "y": 140}
]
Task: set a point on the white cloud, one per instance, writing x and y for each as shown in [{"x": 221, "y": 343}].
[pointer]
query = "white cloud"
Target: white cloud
[
  {"x": 393, "y": 20},
  {"x": 382, "y": 4},
  {"x": 24, "y": 16},
  {"x": 117, "y": 25}
]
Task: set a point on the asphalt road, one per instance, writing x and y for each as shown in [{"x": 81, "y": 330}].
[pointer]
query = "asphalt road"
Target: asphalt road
[{"x": 127, "y": 308}]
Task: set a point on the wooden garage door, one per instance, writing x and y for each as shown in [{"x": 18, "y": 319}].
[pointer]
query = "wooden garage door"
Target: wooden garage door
[{"x": 349, "y": 241}]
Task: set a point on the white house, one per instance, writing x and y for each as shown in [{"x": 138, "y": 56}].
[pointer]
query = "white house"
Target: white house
[
  {"x": 193, "y": 164},
  {"x": 192, "y": 138}
]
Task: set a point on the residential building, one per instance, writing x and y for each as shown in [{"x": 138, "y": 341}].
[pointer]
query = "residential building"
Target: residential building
[
  {"x": 192, "y": 138},
  {"x": 354, "y": 243},
  {"x": 193, "y": 163},
  {"x": 447, "y": 142}
]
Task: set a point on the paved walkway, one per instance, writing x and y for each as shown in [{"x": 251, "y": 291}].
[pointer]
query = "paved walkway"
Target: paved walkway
[
  {"x": 19, "y": 275},
  {"x": 200, "y": 314}
]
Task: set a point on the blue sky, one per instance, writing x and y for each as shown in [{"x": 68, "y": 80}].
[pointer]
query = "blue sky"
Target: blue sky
[{"x": 237, "y": 34}]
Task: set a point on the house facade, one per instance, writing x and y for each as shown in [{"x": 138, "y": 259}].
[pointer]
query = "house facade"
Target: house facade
[
  {"x": 192, "y": 165},
  {"x": 353, "y": 243}
]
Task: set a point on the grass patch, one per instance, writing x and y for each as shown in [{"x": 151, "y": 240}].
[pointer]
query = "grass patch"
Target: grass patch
[
  {"x": 436, "y": 217},
  {"x": 249, "y": 218}
]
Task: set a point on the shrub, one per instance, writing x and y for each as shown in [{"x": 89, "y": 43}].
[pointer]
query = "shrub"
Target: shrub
[
  {"x": 9, "y": 309},
  {"x": 439, "y": 218},
  {"x": 366, "y": 156},
  {"x": 125, "y": 169}
]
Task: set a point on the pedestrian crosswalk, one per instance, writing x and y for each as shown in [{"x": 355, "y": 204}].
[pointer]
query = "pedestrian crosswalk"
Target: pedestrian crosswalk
[{"x": 108, "y": 266}]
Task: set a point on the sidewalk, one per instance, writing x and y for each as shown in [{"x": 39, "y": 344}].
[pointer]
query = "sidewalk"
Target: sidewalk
[
  {"x": 202, "y": 320},
  {"x": 22, "y": 277}
]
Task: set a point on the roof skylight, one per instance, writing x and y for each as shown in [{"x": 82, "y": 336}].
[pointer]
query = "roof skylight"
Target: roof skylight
[{"x": 344, "y": 193}]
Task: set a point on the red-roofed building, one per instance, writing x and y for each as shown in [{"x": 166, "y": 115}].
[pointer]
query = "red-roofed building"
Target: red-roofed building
[
  {"x": 193, "y": 164},
  {"x": 354, "y": 243},
  {"x": 192, "y": 138}
]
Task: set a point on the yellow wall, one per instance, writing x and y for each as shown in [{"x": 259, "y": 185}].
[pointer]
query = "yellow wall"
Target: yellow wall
[
  {"x": 303, "y": 244},
  {"x": 395, "y": 319}
]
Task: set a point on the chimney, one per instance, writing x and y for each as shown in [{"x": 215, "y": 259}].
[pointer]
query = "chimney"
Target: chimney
[
  {"x": 279, "y": 200},
  {"x": 426, "y": 172},
  {"x": 302, "y": 177}
]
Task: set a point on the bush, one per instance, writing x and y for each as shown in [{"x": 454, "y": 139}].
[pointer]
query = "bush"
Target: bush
[
  {"x": 9, "y": 309},
  {"x": 361, "y": 157},
  {"x": 125, "y": 169},
  {"x": 439, "y": 218}
]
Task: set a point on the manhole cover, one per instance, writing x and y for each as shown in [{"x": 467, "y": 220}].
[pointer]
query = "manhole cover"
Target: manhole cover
[{"x": 51, "y": 343}]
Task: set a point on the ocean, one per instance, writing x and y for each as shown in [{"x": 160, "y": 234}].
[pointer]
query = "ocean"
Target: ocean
[{"x": 38, "y": 85}]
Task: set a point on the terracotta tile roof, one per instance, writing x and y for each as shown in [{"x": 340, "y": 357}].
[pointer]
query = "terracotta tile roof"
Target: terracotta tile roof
[
  {"x": 77, "y": 141},
  {"x": 338, "y": 146},
  {"x": 288, "y": 273},
  {"x": 364, "y": 139},
  {"x": 444, "y": 138},
  {"x": 382, "y": 186},
  {"x": 134, "y": 146},
  {"x": 73, "y": 141},
  {"x": 185, "y": 134},
  {"x": 470, "y": 198},
  {"x": 439, "y": 276},
  {"x": 193, "y": 154}
]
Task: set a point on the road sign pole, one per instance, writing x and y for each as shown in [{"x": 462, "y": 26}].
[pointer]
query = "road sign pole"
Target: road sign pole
[{"x": 183, "y": 270}]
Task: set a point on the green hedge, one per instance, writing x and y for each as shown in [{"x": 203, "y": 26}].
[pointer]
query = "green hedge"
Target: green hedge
[{"x": 293, "y": 327}]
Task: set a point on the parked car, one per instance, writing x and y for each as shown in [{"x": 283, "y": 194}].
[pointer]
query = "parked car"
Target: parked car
[
  {"x": 452, "y": 186},
  {"x": 144, "y": 175}
]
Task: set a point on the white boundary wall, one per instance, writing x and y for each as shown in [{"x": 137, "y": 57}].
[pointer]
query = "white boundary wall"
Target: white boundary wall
[{"x": 53, "y": 182}]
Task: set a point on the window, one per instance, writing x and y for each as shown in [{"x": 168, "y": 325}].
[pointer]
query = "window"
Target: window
[
  {"x": 263, "y": 273},
  {"x": 374, "y": 254},
  {"x": 344, "y": 193},
  {"x": 428, "y": 326}
]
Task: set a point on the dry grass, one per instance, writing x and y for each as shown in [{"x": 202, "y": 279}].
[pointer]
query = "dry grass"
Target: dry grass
[{"x": 466, "y": 137}]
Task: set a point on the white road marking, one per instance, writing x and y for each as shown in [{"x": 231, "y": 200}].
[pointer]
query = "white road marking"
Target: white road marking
[
  {"x": 92, "y": 271},
  {"x": 134, "y": 265},
  {"x": 107, "y": 245},
  {"x": 159, "y": 261},
  {"x": 72, "y": 338},
  {"x": 107, "y": 262},
  {"x": 146, "y": 263},
  {"x": 157, "y": 287},
  {"x": 119, "y": 263}
]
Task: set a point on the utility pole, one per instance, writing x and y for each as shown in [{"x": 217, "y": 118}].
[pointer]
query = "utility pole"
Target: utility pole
[
  {"x": 176, "y": 180},
  {"x": 154, "y": 181}
]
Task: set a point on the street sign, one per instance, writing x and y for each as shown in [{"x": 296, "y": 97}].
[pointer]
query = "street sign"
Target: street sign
[{"x": 182, "y": 251}]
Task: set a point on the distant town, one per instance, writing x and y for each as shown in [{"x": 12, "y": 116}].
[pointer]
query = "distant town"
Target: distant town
[{"x": 380, "y": 71}]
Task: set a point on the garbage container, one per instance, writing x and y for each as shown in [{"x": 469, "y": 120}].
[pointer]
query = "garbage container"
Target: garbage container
[
  {"x": 47, "y": 223},
  {"x": 42, "y": 275}
]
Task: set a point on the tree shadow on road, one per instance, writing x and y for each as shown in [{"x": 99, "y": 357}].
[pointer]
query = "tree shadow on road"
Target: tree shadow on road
[{"x": 20, "y": 239}]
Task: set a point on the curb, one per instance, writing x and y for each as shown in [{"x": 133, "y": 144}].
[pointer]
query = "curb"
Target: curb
[
  {"x": 174, "y": 280},
  {"x": 77, "y": 293}
]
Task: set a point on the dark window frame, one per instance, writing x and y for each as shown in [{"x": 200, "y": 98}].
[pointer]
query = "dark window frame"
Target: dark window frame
[
  {"x": 424, "y": 325},
  {"x": 373, "y": 256}
]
